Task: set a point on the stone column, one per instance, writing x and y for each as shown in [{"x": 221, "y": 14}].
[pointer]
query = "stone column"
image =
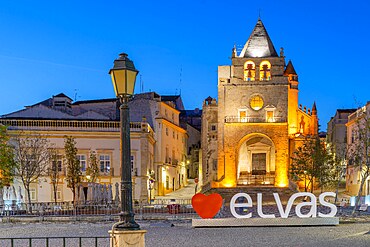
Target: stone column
[{"x": 127, "y": 238}]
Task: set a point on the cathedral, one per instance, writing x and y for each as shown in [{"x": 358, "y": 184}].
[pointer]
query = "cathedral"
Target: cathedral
[{"x": 251, "y": 131}]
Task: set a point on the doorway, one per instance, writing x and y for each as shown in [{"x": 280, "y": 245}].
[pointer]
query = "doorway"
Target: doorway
[{"x": 259, "y": 164}]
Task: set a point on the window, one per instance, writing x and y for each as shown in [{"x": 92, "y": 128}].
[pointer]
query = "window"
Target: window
[
  {"x": 243, "y": 116},
  {"x": 173, "y": 157},
  {"x": 265, "y": 71},
  {"x": 132, "y": 164},
  {"x": 213, "y": 127},
  {"x": 173, "y": 134},
  {"x": 82, "y": 159},
  {"x": 33, "y": 194},
  {"x": 249, "y": 71},
  {"x": 256, "y": 102},
  {"x": 166, "y": 131},
  {"x": 167, "y": 182},
  {"x": 167, "y": 158},
  {"x": 59, "y": 195},
  {"x": 104, "y": 161},
  {"x": 270, "y": 116},
  {"x": 57, "y": 164}
]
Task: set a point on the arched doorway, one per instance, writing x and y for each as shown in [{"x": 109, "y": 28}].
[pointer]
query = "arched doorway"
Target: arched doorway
[{"x": 256, "y": 161}]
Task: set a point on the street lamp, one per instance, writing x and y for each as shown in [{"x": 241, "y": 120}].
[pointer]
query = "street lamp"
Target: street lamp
[{"x": 123, "y": 76}]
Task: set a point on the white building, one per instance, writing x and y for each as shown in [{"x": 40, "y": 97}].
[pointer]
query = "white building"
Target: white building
[
  {"x": 158, "y": 143},
  {"x": 358, "y": 134}
]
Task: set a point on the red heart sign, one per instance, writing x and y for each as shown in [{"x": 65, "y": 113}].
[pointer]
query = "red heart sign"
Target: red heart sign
[{"x": 207, "y": 206}]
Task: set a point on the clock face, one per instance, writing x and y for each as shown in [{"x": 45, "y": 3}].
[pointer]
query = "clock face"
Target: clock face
[{"x": 256, "y": 102}]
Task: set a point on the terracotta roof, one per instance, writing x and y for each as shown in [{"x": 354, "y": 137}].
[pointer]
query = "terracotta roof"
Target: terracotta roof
[
  {"x": 289, "y": 70},
  {"x": 259, "y": 43}
]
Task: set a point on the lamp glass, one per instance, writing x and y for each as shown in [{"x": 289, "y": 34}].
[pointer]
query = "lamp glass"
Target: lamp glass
[{"x": 123, "y": 81}]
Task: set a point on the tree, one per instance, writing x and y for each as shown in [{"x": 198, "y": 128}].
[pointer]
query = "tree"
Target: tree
[
  {"x": 359, "y": 151},
  {"x": 32, "y": 158},
  {"x": 6, "y": 158},
  {"x": 72, "y": 164},
  {"x": 312, "y": 163},
  {"x": 92, "y": 172},
  {"x": 54, "y": 172},
  {"x": 338, "y": 158}
]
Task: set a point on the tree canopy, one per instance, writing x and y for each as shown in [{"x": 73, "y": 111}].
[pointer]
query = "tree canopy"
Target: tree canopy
[
  {"x": 6, "y": 158},
  {"x": 313, "y": 164},
  {"x": 74, "y": 173}
]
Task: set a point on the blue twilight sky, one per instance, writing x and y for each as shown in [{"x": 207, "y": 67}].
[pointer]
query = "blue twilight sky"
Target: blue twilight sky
[{"x": 49, "y": 47}]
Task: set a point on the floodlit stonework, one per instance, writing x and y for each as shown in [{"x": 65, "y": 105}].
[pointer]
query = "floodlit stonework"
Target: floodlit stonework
[{"x": 250, "y": 133}]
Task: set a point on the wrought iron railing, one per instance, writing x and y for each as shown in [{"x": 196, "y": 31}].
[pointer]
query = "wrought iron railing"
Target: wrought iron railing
[
  {"x": 157, "y": 208},
  {"x": 55, "y": 241}
]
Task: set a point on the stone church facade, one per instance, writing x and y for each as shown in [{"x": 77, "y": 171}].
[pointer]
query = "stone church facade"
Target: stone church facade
[{"x": 251, "y": 131}]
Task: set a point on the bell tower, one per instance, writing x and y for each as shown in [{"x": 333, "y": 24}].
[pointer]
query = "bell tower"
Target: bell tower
[
  {"x": 257, "y": 116},
  {"x": 253, "y": 115}
]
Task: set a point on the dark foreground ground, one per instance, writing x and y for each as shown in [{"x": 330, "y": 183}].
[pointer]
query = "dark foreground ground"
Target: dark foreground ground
[{"x": 180, "y": 233}]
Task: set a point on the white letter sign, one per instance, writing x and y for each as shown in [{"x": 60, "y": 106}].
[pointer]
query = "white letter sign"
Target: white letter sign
[{"x": 234, "y": 205}]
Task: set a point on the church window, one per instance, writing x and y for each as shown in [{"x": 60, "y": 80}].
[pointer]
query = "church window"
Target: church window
[
  {"x": 270, "y": 116},
  {"x": 243, "y": 116},
  {"x": 256, "y": 102},
  {"x": 249, "y": 71},
  {"x": 265, "y": 71}
]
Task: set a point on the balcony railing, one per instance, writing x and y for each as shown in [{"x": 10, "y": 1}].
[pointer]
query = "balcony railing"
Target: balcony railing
[
  {"x": 73, "y": 125},
  {"x": 234, "y": 119}
]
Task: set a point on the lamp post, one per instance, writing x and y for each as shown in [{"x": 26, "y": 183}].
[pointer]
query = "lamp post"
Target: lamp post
[{"x": 123, "y": 76}]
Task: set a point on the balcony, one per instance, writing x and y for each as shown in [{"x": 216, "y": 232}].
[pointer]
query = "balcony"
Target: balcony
[
  {"x": 234, "y": 119},
  {"x": 73, "y": 125}
]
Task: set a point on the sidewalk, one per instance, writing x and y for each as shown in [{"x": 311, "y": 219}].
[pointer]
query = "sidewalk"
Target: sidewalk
[{"x": 186, "y": 192}]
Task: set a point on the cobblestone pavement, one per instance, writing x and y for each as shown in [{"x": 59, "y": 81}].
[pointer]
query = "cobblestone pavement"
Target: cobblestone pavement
[{"x": 180, "y": 233}]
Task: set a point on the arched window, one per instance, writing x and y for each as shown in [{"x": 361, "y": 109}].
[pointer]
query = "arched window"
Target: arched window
[
  {"x": 249, "y": 71},
  {"x": 265, "y": 71}
]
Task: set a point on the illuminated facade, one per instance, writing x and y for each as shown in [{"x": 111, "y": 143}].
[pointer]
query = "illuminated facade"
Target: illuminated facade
[
  {"x": 249, "y": 134},
  {"x": 158, "y": 143},
  {"x": 357, "y": 148}
]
